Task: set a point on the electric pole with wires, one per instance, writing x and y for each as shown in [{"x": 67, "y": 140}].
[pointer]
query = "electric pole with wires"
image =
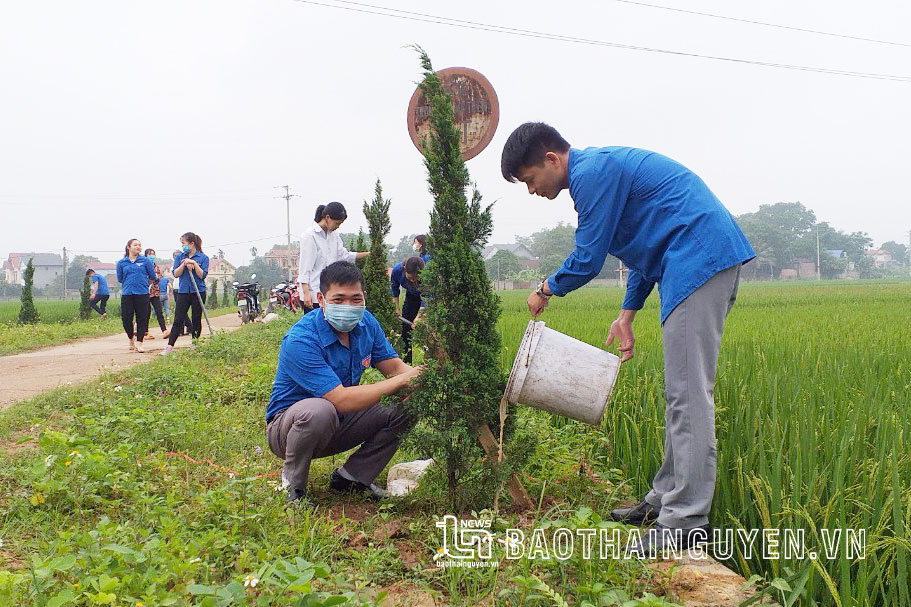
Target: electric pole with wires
[{"x": 288, "y": 196}]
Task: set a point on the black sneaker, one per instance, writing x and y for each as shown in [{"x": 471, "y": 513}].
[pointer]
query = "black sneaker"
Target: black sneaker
[
  {"x": 642, "y": 513},
  {"x": 297, "y": 496},
  {"x": 339, "y": 483}
]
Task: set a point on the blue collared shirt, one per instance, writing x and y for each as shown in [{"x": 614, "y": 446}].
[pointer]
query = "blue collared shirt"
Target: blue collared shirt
[
  {"x": 400, "y": 281},
  {"x": 312, "y": 361},
  {"x": 163, "y": 283},
  {"x": 135, "y": 275},
  {"x": 102, "y": 284},
  {"x": 183, "y": 284},
  {"x": 656, "y": 216}
]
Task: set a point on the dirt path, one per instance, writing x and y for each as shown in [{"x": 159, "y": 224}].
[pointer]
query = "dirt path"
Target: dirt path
[{"x": 28, "y": 374}]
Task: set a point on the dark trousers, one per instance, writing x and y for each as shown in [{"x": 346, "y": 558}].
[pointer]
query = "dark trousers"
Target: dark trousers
[
  {"x": 311, "y": 429},
  {"x": 135, "y": 306},
  {"x": 155, "y": 302},
  {"x": 99, "y": 303},
  {"x": 182, "y": 305},
  {"x": 410, "y": 310}
]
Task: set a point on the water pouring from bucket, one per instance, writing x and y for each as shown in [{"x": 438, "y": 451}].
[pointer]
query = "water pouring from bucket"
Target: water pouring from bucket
[{"x": 563, "y": 375}]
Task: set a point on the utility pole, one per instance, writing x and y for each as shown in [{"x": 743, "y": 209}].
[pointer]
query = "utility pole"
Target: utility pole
[
  {"x": 64, "y": 272},
  {"x": 818, "y": 262},
  {"x": 288, "y": 196}
]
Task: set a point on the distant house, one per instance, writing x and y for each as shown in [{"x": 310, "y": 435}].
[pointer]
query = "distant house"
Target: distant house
[
  {"x": 48, "y": 266},
  {"x": 221, "y": 270},
  {"x": 104, "y": 269},
  {"x": 279, "y": 257},
  {"x": 13, "y": 269},
  {"x": 526, "y": 257},
  {"x": 882, "y": 258}
]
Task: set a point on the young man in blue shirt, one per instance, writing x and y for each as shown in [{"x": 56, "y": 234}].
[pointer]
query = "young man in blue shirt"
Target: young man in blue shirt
[
  {"x": 100, "y": 292},
  {"x": 664, "y": 223},
  {"x": 407, "y": 275},
  {"x": 318, "y": 408}
]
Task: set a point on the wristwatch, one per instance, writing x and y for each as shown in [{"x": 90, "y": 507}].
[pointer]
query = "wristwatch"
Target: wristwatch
[{"x": 540, "y": 290}]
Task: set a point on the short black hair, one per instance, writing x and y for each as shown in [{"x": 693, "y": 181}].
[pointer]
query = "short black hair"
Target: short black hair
[
  {"x": 413, "y": 265},
  {"x": 89, "y": 272},
  {"x": 527, "y": 146},
  {"x": 335, "y": 210},
  {"x": 340, "y": 273}
]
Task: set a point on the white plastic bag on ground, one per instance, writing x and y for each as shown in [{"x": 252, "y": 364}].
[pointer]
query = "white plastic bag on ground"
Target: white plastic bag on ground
[{"x": 403, "y": 478}]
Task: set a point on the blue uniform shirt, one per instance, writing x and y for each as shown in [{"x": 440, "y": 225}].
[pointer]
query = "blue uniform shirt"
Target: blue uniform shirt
[
  {"x": 312, "y": 361},
  {"x": 102, "y": 284},
  {"x": 425, "y": 256},
  {"x": 399, "y": 281},
  {"x": 183, "y": 283},
  {"x": 163, "y": 286},
  {"x": 135, "y": 275},
  {"x": 656, "y": 216}
]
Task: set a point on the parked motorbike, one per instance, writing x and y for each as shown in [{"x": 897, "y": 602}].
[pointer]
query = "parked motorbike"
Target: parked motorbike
[
  {"x": 247, "y": 298},
  {"x": 285, "y": 296}
]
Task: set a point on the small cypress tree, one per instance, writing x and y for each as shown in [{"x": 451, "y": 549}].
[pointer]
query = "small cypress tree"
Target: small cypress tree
[
  {"x": 85, "y": 295},
  {"x": 377, "y": 292},
  {"x": 361, "y": 245},
  {"x": 212, "y": 302},
  {"x": 224, "y": 294},
  {"x": 461, "y": 387},
  {"x": 28, "y": 314}
]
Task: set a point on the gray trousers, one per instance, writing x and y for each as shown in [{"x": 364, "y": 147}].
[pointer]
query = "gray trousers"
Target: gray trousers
[
  {"x": 310, "y": 429},
  {"x": 685, "y": 483}
]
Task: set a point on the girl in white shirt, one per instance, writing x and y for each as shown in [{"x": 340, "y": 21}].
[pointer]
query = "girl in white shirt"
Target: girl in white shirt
[{"x": 320, "y": 246}]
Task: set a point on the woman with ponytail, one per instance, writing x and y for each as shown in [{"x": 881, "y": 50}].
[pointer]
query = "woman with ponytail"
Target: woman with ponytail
[
  {"x": 320, "y": 246},
  {"x": 192, "y": 264}
]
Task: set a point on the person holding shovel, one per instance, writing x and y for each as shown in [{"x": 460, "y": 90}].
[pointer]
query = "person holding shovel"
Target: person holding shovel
[
  {"x": 192, "y": 264},
  {"x": 407, "y": 275},
  {"x": 318, "y": 407},
  {"x": 100, "y": 293},
  {"x": 664, "y": 223},
  {"x": 320, "y": 246}
]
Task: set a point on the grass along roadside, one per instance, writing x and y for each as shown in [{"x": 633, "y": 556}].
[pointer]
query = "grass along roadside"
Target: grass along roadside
[
  {"x": 15, "y": 338},
  {"x": 95, "y": 512}
]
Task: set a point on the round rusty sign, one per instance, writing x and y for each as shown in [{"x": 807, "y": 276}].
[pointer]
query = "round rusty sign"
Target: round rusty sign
[{"x": 474, "y": 103}]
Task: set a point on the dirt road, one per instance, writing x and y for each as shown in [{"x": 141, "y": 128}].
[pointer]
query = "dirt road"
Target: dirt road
[{"x": 26, "y": 375}]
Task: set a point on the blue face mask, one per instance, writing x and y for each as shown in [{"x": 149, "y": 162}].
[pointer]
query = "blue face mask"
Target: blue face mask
[
  {"x": 185, "y": 248},
  {"x": 343, "y": 317}
]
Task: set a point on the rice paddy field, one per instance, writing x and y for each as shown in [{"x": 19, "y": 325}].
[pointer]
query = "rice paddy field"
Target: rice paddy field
[
  {"x": 813, "y": 409},
  {"x": 98, "y": 504},
  {"x": 51, "y": 311}
]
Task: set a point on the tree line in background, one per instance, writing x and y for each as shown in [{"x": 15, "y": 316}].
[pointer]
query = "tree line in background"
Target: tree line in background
[{"x": 781, "y": 234}]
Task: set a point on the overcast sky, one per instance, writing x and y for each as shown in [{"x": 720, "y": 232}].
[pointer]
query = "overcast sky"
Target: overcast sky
[{"x": 127, "y": 119}]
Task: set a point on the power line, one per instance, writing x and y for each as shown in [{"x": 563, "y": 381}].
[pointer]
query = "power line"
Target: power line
[
  {"x": 373, "y": 9},
  {"x": 763, "y": 23}
]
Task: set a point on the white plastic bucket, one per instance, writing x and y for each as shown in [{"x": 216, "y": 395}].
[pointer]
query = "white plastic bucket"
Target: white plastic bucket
[{"x": 557, "y": 373}]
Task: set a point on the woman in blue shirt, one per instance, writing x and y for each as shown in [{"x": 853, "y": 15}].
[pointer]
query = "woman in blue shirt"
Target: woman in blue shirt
[
  {"x": 420, "y": 247},
  {"x": 406, "y": 275},
  {"x": 191, "y": 264},
  {"x": 134, "y": 272}
]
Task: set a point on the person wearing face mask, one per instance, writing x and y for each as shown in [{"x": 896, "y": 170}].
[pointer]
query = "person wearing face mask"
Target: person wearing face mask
[
  {"x": 155, "y": 294},
  {"x": 321, "y": 245},
  {"x": 191, "y": 264},
  {"x": 407, "y": 275},
  {"x": 318, "y": 407},
  {"x": 420, "y": 247},
  {"x": 134, "y": 272}
]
